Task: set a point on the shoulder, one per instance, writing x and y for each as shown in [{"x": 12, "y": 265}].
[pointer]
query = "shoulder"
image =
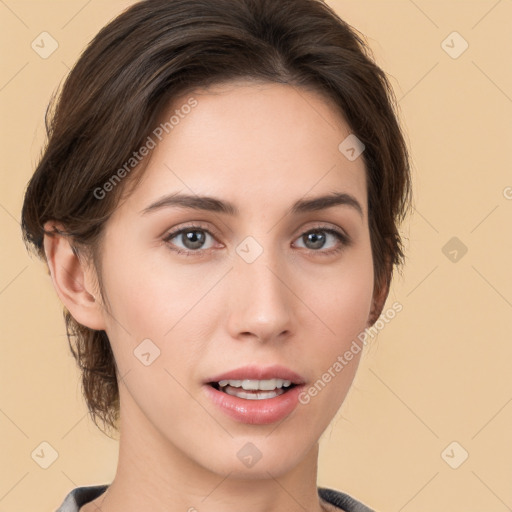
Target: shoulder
[
  {"x": 342, "y": 500},
  {"x": 80, "y": 496}
]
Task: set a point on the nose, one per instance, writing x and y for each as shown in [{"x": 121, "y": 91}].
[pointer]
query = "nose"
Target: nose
[{"x": 261, "y": 301}]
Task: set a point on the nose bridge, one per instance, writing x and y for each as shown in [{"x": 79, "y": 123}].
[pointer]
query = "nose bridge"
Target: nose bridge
[{"x": 260, "y": 298}]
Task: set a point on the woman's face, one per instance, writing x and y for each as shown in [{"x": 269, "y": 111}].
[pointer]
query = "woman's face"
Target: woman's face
[{"x": 268, "y": 288}]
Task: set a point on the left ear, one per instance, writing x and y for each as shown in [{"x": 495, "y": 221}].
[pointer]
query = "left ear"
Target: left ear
[{"x": 380, "y": 294}]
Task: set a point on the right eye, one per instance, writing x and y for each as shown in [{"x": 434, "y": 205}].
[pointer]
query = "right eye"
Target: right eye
[{"x": 192, "y": 237}]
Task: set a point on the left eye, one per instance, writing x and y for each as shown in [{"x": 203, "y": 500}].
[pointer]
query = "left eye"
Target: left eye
[
  {"x": 318, "y": 237},
  {"x": 193, "y": 239}
]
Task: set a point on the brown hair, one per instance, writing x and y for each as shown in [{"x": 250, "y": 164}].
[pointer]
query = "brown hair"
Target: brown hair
[{"x": 159, "y": 49}]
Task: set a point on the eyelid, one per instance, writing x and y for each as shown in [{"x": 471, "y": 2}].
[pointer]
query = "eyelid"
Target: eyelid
[
  {"x": 326, "y": 226},
  {"x": 198, "y": 225}
]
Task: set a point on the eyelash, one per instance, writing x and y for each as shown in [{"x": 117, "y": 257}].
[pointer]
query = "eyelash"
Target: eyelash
[{"x": 344, "y": 240}]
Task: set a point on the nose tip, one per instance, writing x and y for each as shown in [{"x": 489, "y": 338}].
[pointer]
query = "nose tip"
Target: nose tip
[{"x": 261, "y": 302}]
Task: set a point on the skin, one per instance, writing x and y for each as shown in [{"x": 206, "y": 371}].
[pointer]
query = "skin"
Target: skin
[{"x": 262, "y": 147}]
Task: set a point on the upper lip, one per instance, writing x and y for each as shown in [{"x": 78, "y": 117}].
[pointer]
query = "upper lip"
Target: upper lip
[{"x": 258, "y": 373}]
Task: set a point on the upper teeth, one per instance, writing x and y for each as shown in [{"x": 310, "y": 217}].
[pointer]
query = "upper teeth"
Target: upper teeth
[{"x": 264, "y": 385}]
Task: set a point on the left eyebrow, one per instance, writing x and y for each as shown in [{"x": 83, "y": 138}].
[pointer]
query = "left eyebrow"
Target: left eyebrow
[{"x": 213, "y": 204}]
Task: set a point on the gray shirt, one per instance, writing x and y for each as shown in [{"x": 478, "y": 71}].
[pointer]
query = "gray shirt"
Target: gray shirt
[{"x": 82, "y": 495}]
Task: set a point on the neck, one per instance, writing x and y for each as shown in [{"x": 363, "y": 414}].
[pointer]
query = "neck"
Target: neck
[{"x": 153, "y": 474}]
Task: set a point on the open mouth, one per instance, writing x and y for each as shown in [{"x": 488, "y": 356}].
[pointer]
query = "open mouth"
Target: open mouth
[{"x": 254, "y": 389}]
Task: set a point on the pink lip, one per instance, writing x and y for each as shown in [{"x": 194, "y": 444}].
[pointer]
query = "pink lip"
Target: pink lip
[
  {"x": 256, "y": 412},
  {"x": 259, "y": 373}
]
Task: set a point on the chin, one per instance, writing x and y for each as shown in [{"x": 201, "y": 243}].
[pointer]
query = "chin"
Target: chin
[{"x": 255, "y": 457}]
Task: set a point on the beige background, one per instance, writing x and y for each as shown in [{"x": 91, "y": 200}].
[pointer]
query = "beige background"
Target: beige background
[{"x": 439, "y": 372}]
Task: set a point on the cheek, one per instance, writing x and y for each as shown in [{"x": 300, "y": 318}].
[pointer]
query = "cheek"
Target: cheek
[
  {"x": 351, "y": 301},
  {"x": 344, "y": 317},
  {"x": 343, "y": 307},
  {"x": 144, "y": 299},
  {"x": 346, "y": 295},
  {"x": 152, "y": 299}
]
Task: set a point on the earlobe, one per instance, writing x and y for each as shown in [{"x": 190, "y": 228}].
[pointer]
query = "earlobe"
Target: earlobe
[{"x": 70, "y": 277}]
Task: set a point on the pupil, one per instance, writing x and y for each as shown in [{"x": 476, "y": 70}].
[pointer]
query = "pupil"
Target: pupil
[
  {"x": 196, "y": 241},
  {"x": 318, "y": 241}
]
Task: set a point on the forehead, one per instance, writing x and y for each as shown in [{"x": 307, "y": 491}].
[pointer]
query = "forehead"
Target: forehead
[{"x": 254, "y": 144}]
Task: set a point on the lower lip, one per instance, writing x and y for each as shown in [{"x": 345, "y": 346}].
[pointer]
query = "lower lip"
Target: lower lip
[{"x": 255, "y": 412}]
